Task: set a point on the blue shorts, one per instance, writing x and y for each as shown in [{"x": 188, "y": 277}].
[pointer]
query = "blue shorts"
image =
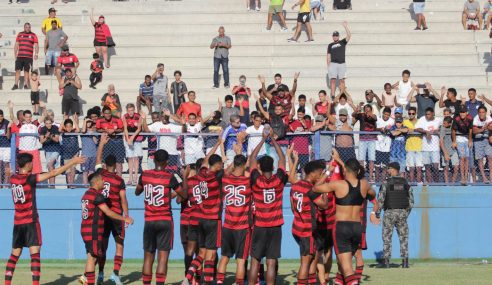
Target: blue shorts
[
  {"x": 463, "y": 150},
  {"x": 418, "y": 7}
]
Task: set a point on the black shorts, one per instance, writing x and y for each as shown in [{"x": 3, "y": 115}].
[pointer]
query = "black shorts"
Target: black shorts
[
  {"x": 114, "y": 227},
  {"x": 183, "y": 233},
  {"x": 306, "y": 245},
  {"x": 115, "y": 147},
  {"x": 95, "y": 77},
  {"x": 70, "y": 106},
  {"x": 209, "y": 232},
  {"x": 346, "y": 153},
  {"x": 23, "y": 63},
  {"x": 34, "y": 97},
  {"x": 323, "y": 240},
  {"x": 158, "y": 235},
  {"x": 382, "y": 158},
  {"x": 100, "y": 44},
  {"x": 266, "y": 242},
  {"x": 303, "y": 18},
  {"x": 236, "y": 243},
  {"x": 94, "y": 248},
  {"x": 193, "y": 233},
  {"x": 347, "y": 236},
  {"x": 27, "y": 235}
]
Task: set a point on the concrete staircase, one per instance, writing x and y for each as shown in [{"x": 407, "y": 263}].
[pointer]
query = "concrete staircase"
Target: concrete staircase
[{"x": 178, "y": 34}]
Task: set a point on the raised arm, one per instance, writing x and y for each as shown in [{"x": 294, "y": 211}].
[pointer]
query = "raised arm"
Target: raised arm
[
  {"x": 280, "y": 153},
  {"x": 347, "y": 30},
  {"x": 55, "y": 172},
  {"x": 102, "y": 142},
  {"x": 211, "y": 152},
  {"x": 266, "y": 93},
  {"x": 292, "y": 163},
  {"x": 294, "y": 85},
  {"x": 262, "y": 111},
  {"x": 93, "y": 22},
  {"x": 441, "y": 100},
  {"x": 13, "y": 118},
  {"x": 252, "y": 157}
]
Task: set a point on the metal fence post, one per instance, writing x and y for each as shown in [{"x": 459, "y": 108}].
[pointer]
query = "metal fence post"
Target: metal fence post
[
  {"x": 13, "y": 150},
  {"x": 316, "y": 145}
]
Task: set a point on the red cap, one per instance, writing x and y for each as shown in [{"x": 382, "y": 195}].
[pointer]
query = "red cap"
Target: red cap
[{"x": 101, "y": 17}]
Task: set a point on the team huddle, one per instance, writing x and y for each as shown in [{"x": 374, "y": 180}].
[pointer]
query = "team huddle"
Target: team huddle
[{"x": 328, "y": 204}]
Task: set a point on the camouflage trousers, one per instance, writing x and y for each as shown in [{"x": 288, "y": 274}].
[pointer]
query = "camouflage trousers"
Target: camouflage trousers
[{"x": 395, "y": 218}]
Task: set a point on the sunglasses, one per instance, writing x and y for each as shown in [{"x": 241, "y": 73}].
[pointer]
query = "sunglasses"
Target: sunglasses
[{"x": 411, "y": 113}]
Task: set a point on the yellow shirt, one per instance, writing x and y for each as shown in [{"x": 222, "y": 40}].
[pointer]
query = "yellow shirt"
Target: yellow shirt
[
  {"x": 306, "y": 7},
  {"x": 414, "y": 142},
  {"x": 47, "y": 23}
]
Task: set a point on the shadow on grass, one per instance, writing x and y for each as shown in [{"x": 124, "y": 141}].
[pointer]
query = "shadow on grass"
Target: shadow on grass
[
  {"x": 63, "y": 280},
  {"x": 126, "y": 279}
]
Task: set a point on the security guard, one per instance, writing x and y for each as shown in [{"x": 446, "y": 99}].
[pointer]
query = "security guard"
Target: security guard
[{"x": 396, "y": 198}]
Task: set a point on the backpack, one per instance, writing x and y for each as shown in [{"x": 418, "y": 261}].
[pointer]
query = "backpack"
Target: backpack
[{"x": 342, "y": 4}]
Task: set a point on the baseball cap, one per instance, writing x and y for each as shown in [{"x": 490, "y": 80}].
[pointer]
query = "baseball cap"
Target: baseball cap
[
  {"x": 319, "y": 118},
  {"x": 336, "y": 34},
  {"x": 399, "y": 120},
  {"x": 399, "y": 110},
  {"x": 343, "y": 112},
  {"x": 52, "y": 9},
  {"x": 64, "y": 48},
  {"x": 101, "y": 17},
  {"x": 463, "y": 109},
  {"x": 394, "y": 165}
]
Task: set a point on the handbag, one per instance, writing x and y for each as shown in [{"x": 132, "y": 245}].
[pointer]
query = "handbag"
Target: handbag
[{"x": 110, "y": 42}]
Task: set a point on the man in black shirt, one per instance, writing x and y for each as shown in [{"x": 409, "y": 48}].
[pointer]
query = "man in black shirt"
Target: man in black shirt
[
  {"x": 335, "y": 60},
  {"x": 452, "y": 102},
  {"x": 426, "y": 97}
]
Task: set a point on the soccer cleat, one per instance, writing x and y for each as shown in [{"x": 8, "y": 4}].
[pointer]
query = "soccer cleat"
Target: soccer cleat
[
  {"x": 404, "y": 263},
  {"x": 100, "y": 278},
  {"x": 116, "y": 279},
  {"x": 83, "y": 280}
]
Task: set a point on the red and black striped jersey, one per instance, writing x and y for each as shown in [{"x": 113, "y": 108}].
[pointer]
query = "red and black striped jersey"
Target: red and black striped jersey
[
  {"x": 267, "y": 195},
  {"x": 132, "y": 124},
  {"x": 113, "y": 185},
  {"x": 237, "y": 193},
  {"x": 363, "y": 215},
  {"x": 24, "y": 195},
  {"x": 92, "y": 226},
  {"x": 99, "y": 33},
  {"x": 302, "y": 200},
  {"x": 157, "y": 186},
  {"x": 26, "y": 43},
  {"x": 194, "y": 199},
  {"x": 326, "y": 218},
  {"x": 210, "y": 184}
]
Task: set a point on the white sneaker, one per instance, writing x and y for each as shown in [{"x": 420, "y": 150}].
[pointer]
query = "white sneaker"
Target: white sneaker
[
  {"x": 257, "y": 9},
  {"x": 284, "y": 29},
  {"x": 83, "y": 280},
  {"x": 116, "y": 279},
  {"x": 265, "y": 30}
]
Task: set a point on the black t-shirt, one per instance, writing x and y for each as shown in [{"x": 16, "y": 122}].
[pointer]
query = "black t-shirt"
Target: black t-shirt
[
  {"x": 424, "y": 102},
  {"x": 462, "y": 126},
  {"x": 454, "y": 106},
  {"x": 337, "y": 51},
  {"x": 367, "y": 124},
  {"x": 50, "y": 145}
]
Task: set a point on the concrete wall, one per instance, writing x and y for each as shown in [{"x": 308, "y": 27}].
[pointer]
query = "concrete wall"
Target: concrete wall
[{"x": 448, "y": 222}]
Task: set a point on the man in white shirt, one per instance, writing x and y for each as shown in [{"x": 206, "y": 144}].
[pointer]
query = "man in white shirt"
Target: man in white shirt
[
  {"x": 301, "y": 101},
  {"x": 193, "y": 145},
  {"x": 383, "y": 144},
  {"x": 483, "y": 149},
  {"x": 254, "y": 133},
  {"x": 429, "y": 126}
]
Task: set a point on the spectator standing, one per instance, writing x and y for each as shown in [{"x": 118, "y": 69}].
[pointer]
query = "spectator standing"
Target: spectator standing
[
  {"x": 66, "y": 60},
  {"x": 276, "y": 7},
  {"x": 326, "y": 140},
  {"x": 418, "y": 9},
  {"x": 53, "y": 42},
  {"x": 481, "y": 144},
  {"x": 429, "y": 126},
  {"x": 112, "y": 101},
  {"x": 451, "y": 102},
  {"x": 272, "y": 88},
  {"x": 301, "y": 143},
  {"x": 96, "y": 68},
  {"x": 373, "y": 100},
  {"x": 303, "y": 17},
  {"x": 367, "y": 142},
  {"x": 397, "y": 151},
  {"x": 243, "y": 92},
  {"x": 254, "y": 135},
  {"x": 26, "y": 50},
  {"x": 344, "y": 101},
  {"x": 450, "y": 154},
  {"x": 413, "y": 147},
  {"x": 145, "y": 93},
  {"x": 35, "y": 82},
  {"x": 70, "y": 146},
  {"x": 4, "y": 149},
  {"x": 230, "y": 137},
  {"x": 102, "y": 37},
  {"x": 344, "y": 143},
  {"x": 473, "y": 104},
  {"x": 71, "y": 85},
  {"x": 301, "y": 102},
  {"x": 471, "y": 11},
  {"x": 426, "y": 97},
  {"x": 28, "y": 141},
  {"x": 228, "y": 110},
  {"x": 404, "y": 86},
  {"x": 113, "y": 126},
  {"x": 257, "y": 5},
  {"x": 132, "y": 125},
  {"x": 178, "y": 89},
  {"x": 46, "y": 26},
  {"x": 161, "y": 97},
  {"x": 388, "y": 97},
  {"x": 487, "y": 14},
  {"x": 49, "y": 137},
  {"x": 335, "y": 60},
  {"x": 383, "y": 144},
  {"x": 462, "y": 136},
  {"x": 190, "y": 107},
  {"x": 193, "y": 144},
  {"x": 281, "y": 96},
  {"x": 221, "y": 45},
  {"x": 215, "y": 125},
  {"x": 89, "y": 142}
]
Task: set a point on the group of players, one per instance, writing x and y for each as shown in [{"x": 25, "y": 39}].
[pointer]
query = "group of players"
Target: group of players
[{"x": 329, "y": 207}]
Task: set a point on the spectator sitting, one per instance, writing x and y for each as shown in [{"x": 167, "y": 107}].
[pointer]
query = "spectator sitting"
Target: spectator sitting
[
  {"x": 49, "y": 137},
  {"x": 462, "y": 137},
  {"x": 145, "y": 92},
  {"x": 426, "y": 97},
  {"x": 243, "y": 92},
  {"x": 132, "y": 125},
  {"x": 178, "y": 89},
  {"x": 70, "y": 146},
  {"x": 254, "y": 135},
  {"x": 190, "y": 107},
  {"x": 301, "y": 143},
  {"x": 450, "y": 154},
  {"x": 112, "y": 101},
  {"x": 367, "y": 142},
  {"x": 413, "y": 147},
  {"x": 383, "y": 144},
  {"x": 55, "y": 39},
  {"x": 96, "y": 71},
  {"x": 471, "y": 13},
  {"x": 229, "y": 110},
  {"x": 451, "y": 102},
  {"x": 302, "y": 100},
  {"x": 113, "y": 126},
  {"x": 481, "y": 144},
  {"x": 88, "y": 141},
  {"x": 375, "y": 104},
  {"x": 429, "y": 127},
  {"x": 215, "y": 125},
  {"x": 161, "y": 98},
  {"x": 46, "y": 25},
  {"x": 404, "y": 86},
  {"x": 397, "y": 151},
  {"x": 388, "y": 97},
  {"x": 344, "y": 143},
  {"x": 230, "y": 138},
  {"x": 65, "y": 61}
]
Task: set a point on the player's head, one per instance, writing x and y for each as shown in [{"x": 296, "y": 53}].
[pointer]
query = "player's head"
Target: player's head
[
  {"x": 354, "y": 168},
  {"x": 24, "y": 160},
  {"x": 110, "y": 161},
  {"x": 314, "y": 169},
  {"x": 240, "y": 161},
  {"x": 266, "y": 164},
  {"x": 95, "y": 55},
  {"x": 215, "y": 162},
  {"x": 96, "y": 181},
  {"x": 160, "y": 159}
]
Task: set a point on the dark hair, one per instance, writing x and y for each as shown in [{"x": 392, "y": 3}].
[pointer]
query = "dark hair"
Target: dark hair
[
  {"x": 322, "y": 91},
  {"x": 35, "y": 72},
  {"x": 342, "y": 96},
  {"x": 307, "y": 118},
  {"x": 314, "y": 166},
  {"x": 387, "y": 110},
  {"x": 161, "y": 156},
  {"x": 67, "y": 121},
  {"x": 302, "y": 96},
  {"x": 106, "y": 108},
  {"x": 453, "y": 91},
  {"x": 254, "y": 113},
  {"x": 191, "y": 92},
  {"x": 148, "y": 76},
  {"x": 26, "y": 112},
  {"x": 279, "y": 105},
  {"x": 95, "y": 55},
  {"x": 177, "y": 72},
  {"x": 301, "y": 109},
  {"x": 198, "y": 163},
  {"x": 228, "y": 98},
  {"x": 160, "y": 64},
  {"x": 406, "y": 71},
  {"x": 1, "y": 112},
  {"x": 412, "y": 109},
  {"x": 240, "y": 160},
  {"x": 387, "y": 84},
  {"x": 214, "y": 159},
  {"x": 192, "y": 166},
  {"x": 93, "y": 176},
  {"x": 191, "y": 115},
  {"x": 448, "y": 119},
  {"x": 472, "y": 90},
  {"x": 110, "y": 160},
  {"x": 430, "y": 109},
  {"x": 481, "y": 107},
  {"x": 278, "y": 75},
  {"x": 354, "y": 166},
  {"x": 155, "y": 113},
  {"x": 266, "y": 163},
  {"x": 368, "y": 106},
  {"x": 23, "y": 159}
]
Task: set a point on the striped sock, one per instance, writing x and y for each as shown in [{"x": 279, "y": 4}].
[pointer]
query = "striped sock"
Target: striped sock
[
  {"x": 36, "y": 268},
  {"x": 220, "y": 277},
  {"x": 312, "y": 279},
  {"x": 208, "y": 271},
  {"x": 10, "y": 268},
  {"x": 146, "y": 279},
  {"x": 118, "y": 260},
  {"x": 101, "y": 261},
  {"x": 239, "y": 281},
  {"x": 91, "y": 277},
  {"x": 195, "y": 264},
  {"x": 302, "y": 281},
  {"x": 352, "y": 280},
  {"x": 198, "y": 275},
  {"x": 358, "y": 271},
  {"x": 160, "y": 278},
  {"x": 339, "y": 279}
]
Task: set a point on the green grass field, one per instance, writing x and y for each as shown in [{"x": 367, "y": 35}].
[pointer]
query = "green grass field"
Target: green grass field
[{"x": 61, "y": 272}]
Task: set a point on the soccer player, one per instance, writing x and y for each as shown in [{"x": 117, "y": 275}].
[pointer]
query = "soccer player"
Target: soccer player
[
  {"x": 236, "y": 234},
  {"x": 268, "y": 189},
  {"x": 94, "y": 208},
  {"x": 27, "y": 230},
  {"x": 209, "y": 223},
  {"x": 158, "y": 230},
  {"x": 304, "y": 203},
  {"x": 115, "y": 191}
]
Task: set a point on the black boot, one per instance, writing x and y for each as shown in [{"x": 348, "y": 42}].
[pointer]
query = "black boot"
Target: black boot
[
  {"x": 404, "y": 263},
  {"x": 46, "y": 69},
  {"x": 386, "y": 263}
]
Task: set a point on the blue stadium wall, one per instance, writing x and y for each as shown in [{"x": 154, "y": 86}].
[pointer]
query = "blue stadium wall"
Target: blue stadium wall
[{"x": 447, "y": 222}]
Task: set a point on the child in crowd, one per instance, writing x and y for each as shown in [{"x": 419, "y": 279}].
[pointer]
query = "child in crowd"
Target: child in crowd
[
  {"x": 178, "y": 89},
  {"x": 193, "y": 144},
  {"x": 389, "y": 97},
  {"x": 403, "y": 87},
  {"x": 399, "y": 137},
  {"x": 96, "y": 69},
  {"x": 35, "y": 83},
  {"x": 70, "y": 146}
]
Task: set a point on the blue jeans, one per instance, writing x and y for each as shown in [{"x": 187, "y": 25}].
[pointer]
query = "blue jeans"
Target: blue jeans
[{"x": 225, "y": 69}]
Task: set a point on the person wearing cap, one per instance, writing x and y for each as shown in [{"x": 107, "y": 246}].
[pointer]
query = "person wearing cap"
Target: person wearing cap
[
  {"x": 102, "y": 37},
  {"x": 398, "y": 112},
  {"x": 396, "y": 199},
  {"x": 335, "y": 60},
  {"x": 425, "y": 96},
  {"x": 462, "y": 136},
  {"x": 398, "y": 134},
  {"x": 53, "y": 42},
  {"x": 47, "y": 25},
  {"x": 66, "y": 60}
]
